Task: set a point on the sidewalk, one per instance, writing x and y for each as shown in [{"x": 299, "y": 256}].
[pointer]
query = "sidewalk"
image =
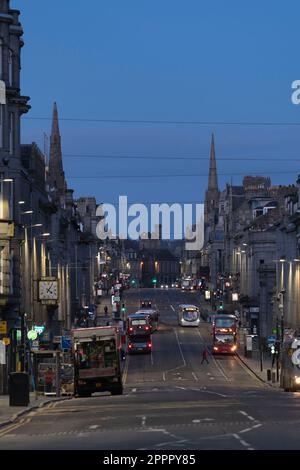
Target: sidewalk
[
  {"x": 9, "y": 414},
  {"x": 254, "y": 364},
  {"x": 103, "y": 319}
]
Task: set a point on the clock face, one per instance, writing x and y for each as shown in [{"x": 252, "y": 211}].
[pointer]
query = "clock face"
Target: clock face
[{"x": 48, "y": 290}]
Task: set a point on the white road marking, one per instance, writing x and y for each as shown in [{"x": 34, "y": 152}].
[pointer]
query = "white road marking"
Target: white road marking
[
  {"x": 195, "y": 376},
  {"x": 172, "y": 308},
  {"x": 208, "y": 391},
  {"x": 245, "y": 430},
  {"x": 180, "y": 349},
  {"x": 94, "y": 426},
  {"x": 143, "y": 421},
  {"x": 125, "y": 372},
  {"x": 182, "y": 356},
  {"x": 202, "y": 419},
  {"x": 248, "y": 416},
  {"x": 241, "y": 441}
]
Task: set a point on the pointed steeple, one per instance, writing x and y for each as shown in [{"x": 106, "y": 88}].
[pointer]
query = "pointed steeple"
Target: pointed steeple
[
  {"x": 213, "y": 179},
  {"x": 212, "y": 193},
  {"x": 56, "y": 171}
]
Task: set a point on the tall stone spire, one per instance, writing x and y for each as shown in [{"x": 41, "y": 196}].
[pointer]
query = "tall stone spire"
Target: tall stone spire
[
  {"x": 213, "y": 179},
  {"x": 56, "y": 171},
  {"x": 212, "y": 193}
]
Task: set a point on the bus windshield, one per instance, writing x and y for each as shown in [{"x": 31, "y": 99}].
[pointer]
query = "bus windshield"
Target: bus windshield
[
  {"x": 225, "y": 322},
  {"x": 190, "y": 315}
]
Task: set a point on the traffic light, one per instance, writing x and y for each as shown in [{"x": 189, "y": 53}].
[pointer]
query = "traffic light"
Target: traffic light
[
  {"x": 154, "y": 280},
  {"x": 123, "y": 309}
]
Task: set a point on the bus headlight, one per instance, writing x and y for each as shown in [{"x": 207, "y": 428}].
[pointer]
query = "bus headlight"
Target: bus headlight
[
  {"x": 297, "y": 380},
  {"x": 233, "y": 348}
]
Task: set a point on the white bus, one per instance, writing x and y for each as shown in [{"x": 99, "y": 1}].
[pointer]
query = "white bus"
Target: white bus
[{"x": 188, "y": 315}]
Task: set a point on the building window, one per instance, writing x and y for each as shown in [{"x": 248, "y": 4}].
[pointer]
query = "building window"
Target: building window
[
  {"x": 6, "y": 199},
  {"x": 11, "y": 133},
  {"x": 10, "y": 67}
]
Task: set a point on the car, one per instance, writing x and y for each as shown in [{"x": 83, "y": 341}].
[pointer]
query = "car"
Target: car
[{"x": 164, "y": 286}]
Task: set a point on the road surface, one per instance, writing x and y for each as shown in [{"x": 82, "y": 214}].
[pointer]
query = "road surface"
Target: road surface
[{"x": 171, "y": 401}]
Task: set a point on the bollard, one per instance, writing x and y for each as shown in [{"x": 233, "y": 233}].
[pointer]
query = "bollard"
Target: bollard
[
  {"x": 269, "y": 375},
  {"x": 273, "y": 377}
]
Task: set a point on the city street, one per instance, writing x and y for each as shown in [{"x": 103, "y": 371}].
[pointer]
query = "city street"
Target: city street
[{"x": 171, "y": 401}]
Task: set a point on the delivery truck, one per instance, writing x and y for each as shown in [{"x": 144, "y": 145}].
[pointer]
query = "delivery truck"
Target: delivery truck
[{"x": 97, "y": 355}]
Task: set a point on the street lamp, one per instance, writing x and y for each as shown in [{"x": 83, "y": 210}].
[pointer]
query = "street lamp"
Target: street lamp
[{"x": 27, "y": 212}]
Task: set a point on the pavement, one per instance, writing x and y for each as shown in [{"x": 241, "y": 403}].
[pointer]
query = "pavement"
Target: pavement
[
  {"x": 170, "y": 400},
  {"x": 10, "y": 414},
  {"x": 257, "y": 366}
]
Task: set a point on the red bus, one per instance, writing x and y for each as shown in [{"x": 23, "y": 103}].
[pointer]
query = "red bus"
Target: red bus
[
  {"x": 225, "y": 334},
  {"x": 138, "y": 324}
]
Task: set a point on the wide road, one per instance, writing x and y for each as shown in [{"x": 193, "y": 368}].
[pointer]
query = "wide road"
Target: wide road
[{"x": 171, "y": 401}]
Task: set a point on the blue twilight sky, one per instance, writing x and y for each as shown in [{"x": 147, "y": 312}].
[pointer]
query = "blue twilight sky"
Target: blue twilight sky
[{"x": 163, "y": 60}]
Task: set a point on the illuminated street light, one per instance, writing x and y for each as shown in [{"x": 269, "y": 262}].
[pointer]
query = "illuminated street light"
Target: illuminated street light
[
  {"x": 7, "y": 180},
  {"x": 26, "y": 212},
  {"x": 21, "y": 202},
  {"x": 33, "y": 226}
]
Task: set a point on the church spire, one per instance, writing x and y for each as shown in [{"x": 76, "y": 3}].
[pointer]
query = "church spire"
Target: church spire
[
  {"x": 56, "y": 171},
  {"x": 213, "y": 179}
]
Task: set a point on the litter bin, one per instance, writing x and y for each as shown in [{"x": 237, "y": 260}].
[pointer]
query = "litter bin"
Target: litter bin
[{"x": 18, "y": 389}]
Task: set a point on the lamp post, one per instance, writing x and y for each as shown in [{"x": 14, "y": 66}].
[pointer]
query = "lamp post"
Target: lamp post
[{"x": 27, "y": 288}]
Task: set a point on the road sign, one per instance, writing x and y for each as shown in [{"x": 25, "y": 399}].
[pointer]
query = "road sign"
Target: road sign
[
  {"x": 3, "y": 327},
  {"x": 66, "y": 342},
  {"x": 117, "y": 298},
  {"x": 35, "y": 345},
  {"x": 271, "y": 339}
]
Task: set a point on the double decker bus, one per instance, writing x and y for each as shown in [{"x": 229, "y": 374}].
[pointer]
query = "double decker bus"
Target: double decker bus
[
  {"x": 152, "y": 316},
  {"x": 139, "y": 331},
  {"x": 290, "y": 365},
  {"x": 224, "y": 333}
]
